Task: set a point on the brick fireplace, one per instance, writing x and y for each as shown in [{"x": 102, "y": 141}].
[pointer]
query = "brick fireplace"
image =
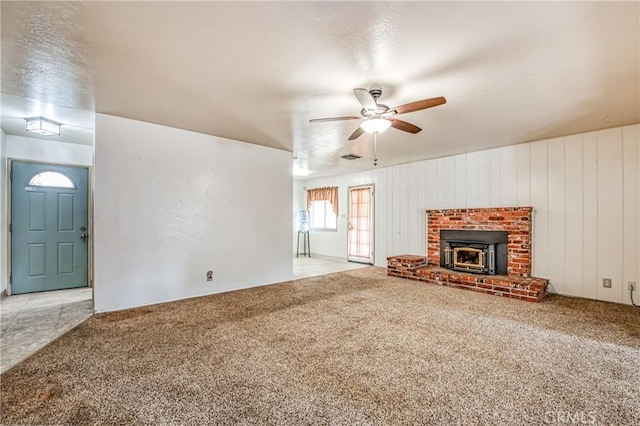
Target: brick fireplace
[
  {"x": 515, "y": 220},
  {"x": 479, "y": 235}
]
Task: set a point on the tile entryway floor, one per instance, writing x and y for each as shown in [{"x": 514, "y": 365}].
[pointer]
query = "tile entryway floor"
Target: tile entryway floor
[
  {"x": 304, "y": 267},
  {"x": 29, "y": 322}
]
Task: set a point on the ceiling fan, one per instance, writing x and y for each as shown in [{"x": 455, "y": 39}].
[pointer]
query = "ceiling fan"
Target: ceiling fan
[{"x": 379, "y": 117}]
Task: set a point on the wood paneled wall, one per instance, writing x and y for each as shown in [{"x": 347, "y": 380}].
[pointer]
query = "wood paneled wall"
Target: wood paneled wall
[{"x": 585, "y": 190}]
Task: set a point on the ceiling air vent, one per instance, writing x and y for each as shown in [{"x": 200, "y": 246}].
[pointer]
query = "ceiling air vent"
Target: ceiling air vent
[{"x": 350, "y": 157}]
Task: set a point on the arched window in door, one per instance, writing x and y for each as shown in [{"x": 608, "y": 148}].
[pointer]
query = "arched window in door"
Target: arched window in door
[{"x": 51, "y": 180}]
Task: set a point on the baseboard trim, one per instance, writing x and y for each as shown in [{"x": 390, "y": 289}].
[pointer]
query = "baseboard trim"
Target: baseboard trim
[{"x": 3, "y": 294}]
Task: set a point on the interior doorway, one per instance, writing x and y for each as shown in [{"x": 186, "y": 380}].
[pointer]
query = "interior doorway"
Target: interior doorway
[
  {"x": 49, "y": 227},
  {"x": 361, "y": 224}
]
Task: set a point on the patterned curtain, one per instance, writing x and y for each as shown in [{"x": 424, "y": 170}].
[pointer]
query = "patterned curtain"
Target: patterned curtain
[{"x": 329, "y": 193}]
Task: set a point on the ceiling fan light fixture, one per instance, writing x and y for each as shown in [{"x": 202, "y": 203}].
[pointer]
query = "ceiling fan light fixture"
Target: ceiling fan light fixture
[
  {"x": 375, "y": 125},
  {"x": 43, "y": 126}
]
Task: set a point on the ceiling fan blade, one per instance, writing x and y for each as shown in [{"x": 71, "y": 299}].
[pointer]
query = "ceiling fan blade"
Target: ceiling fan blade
[
  {"x": 365, "y": 99},
  {"x": 356, "y": 134},
  {"x": 418, "y": 105},
  {"x": 404, "y": 126},
  {"x": 350, "y": 117}
]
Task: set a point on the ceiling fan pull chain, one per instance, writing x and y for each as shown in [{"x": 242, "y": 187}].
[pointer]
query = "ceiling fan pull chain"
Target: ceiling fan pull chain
[{"x": 375, "y": 148}]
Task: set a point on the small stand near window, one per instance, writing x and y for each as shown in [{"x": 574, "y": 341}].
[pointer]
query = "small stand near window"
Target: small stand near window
[{"x": 303, "y": 217}]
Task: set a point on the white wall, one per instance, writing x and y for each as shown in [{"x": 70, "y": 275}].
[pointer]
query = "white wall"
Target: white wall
[
  {"x": 585, "y": 190},
  {"x": 48, "y": 151},
  {"x": 172, "y": 204},
  {"x": 3, "y": 212}
]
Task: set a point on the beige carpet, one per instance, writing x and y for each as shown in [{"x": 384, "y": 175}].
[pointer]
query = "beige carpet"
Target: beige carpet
[{"x": 350, "y": 348}]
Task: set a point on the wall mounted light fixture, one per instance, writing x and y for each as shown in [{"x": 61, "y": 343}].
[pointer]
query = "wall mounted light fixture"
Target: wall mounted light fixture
[{"x": 43, "y": 126}]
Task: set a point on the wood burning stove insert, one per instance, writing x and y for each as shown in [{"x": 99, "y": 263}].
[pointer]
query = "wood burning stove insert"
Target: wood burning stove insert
[{"x": 480, "y": 252}]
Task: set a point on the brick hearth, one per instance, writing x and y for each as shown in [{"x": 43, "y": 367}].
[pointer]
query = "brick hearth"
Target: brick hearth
[
  {"x": 517, "y": 284},
  {"x": 416, "y": 268}
]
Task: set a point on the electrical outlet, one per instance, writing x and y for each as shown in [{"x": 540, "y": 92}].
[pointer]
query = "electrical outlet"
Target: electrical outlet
[
  {"x": 632, "y": 286},
  {"x": 606, "y": 282},
  {"x": 209, "y": 275}
]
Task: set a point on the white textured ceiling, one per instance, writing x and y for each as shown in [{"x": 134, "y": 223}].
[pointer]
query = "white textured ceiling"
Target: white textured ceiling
[{"x": 258, "y": 71}]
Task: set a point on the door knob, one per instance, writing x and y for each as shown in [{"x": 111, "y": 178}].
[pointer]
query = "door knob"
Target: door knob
[{"x": 83, "y": 237}]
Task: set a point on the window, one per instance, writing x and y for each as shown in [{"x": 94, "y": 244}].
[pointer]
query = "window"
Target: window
[
  {"x": 51, "y": 179},
  {"x": 322, "y": 216},
  {"x": 322, "y": 204}
]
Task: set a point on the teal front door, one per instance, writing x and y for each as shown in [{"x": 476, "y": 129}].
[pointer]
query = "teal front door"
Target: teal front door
[{"x": 49, "y": 227}]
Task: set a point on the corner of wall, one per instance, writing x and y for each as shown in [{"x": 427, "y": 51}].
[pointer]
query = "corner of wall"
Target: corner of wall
[
  {"x": 3, "y": 212},
  {"x": 299, "y": 200}
]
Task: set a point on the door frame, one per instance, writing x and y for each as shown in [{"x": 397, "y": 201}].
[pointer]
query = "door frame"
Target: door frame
[
  {"x": 372, "y": 231},
  {"x": 10, "y": 162}
]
